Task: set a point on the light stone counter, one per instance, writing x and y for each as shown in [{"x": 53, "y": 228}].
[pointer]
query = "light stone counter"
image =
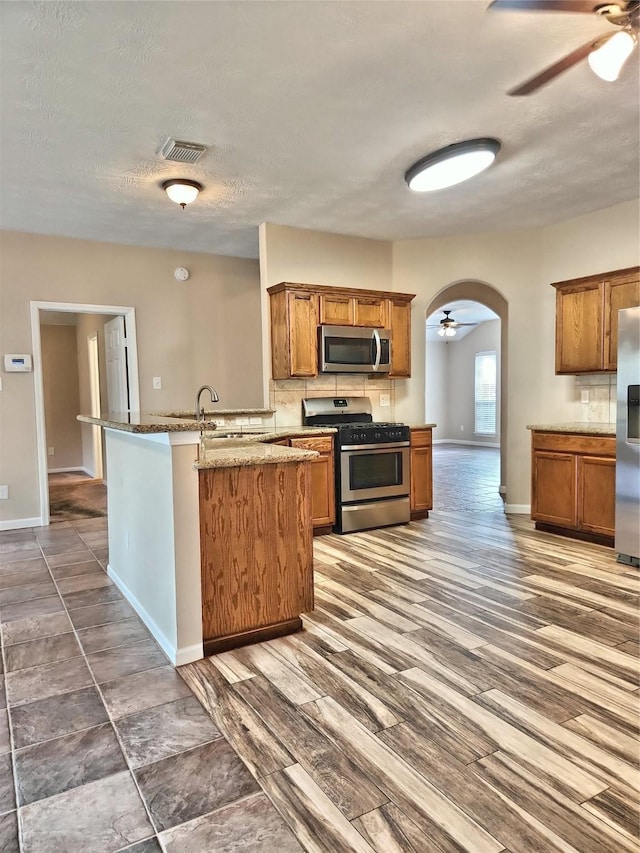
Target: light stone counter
[
  {"x": 246, "y": 453},
  {"x": 422, "y": 426},
  {"x": 576, "y": 427},
  {"x": 140, "y": 422}
]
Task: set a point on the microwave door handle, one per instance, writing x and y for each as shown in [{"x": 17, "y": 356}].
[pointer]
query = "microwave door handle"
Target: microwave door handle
[{"x": 376, "y": 338}]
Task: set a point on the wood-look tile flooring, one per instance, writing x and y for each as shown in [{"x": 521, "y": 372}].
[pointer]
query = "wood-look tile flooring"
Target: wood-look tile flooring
[
  {"x": 465, "y": 683},
  {"x": 466, "y": 478}
]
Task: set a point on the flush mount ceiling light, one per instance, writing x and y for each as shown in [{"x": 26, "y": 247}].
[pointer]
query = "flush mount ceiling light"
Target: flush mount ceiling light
[
  {"x": 607, "y": 60},
  {"x": 182, "y": 191},
  {"x": 452, "y": 165}
]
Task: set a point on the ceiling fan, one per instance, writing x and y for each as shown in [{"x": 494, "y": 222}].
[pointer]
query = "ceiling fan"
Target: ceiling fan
[
  {"x": 447, "y": 326},
  {"x": 606, "y": 54}
]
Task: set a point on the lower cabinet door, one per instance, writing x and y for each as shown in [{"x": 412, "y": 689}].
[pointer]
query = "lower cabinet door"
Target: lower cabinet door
[
  {"x": 554, "y": 488},
  {"x": 323, "y": 502},
  {"x": 421, "y": 482},
  {"x": 596, "y": 494}
]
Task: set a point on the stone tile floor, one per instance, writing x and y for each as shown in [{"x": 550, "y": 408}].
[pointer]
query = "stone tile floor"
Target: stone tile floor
[
  {"x": 466, "y": 478},
  {"x": 103, "y": 747}
]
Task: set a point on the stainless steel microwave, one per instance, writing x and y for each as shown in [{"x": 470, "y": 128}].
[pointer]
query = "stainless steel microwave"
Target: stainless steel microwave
[{"x": 352, "y": 349}]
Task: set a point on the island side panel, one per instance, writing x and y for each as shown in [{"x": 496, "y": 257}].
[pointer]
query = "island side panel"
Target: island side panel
[{"x": 256, "y": 551}]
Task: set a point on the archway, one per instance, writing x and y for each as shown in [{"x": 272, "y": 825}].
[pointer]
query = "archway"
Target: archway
[{"x": 488, "y": 296}]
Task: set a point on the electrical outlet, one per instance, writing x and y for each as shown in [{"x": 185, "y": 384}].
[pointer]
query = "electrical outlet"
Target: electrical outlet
[
  {"x": 255, "y": 421},
  {"x": 0, "y": 383},
  {"x": 218, "y": 421},
  {"x": 51, "y": 451},
  {"x": 4, "y": 493},
  {"x": 157, "y": 383},
  {"x": 385, "y": 399},
  {"x": 584, "y": 395},
  {"x": 242, "y": 421},
  {"x": 461, "y": 427}
]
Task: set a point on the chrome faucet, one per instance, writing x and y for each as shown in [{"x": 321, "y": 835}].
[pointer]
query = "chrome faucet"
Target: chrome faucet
[{"x": 199, "y": 408}]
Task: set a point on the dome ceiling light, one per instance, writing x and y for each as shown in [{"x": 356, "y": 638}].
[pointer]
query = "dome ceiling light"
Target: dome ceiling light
[
  {"x": 452, "y": 165},
  {"x": 182, "y": 191}
]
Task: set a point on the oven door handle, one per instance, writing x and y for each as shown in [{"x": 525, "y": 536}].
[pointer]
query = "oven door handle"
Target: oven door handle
[
  {"x": 381, "y": 446},
  {"x": 376, "y": 338}
]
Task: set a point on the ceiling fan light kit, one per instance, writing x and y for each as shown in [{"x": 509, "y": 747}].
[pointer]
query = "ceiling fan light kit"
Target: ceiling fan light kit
[
  {"x": 606, "y": 56},
  {"x": 608, "y": 59},
  {"x": 452, "y": 165},
  {"x": 182, "y": 191}
]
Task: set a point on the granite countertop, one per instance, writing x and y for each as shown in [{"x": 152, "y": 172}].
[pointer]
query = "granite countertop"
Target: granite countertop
[
  {"x": 576, "y": 427},
  {"x": 251, "y": 447},
  {"x": 176, "y": 421},
  {"x": 422, "y": 426},
  {"x": 232, "y": 453}
]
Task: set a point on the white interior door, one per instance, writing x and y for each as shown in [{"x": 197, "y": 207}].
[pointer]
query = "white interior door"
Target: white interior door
[
  {"x": 94, "y": 390},
  {"x": 116, "y": 358}
]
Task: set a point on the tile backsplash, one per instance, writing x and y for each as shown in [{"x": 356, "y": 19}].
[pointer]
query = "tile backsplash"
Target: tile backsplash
[
  {"x": 286, "y": 395},
  {"x": 601, "y": 389}
]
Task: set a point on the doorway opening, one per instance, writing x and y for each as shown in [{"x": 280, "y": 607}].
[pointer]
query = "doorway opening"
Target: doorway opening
[
  {"x": 465, "y": 381},
  {"x": 84, "y": 361}
]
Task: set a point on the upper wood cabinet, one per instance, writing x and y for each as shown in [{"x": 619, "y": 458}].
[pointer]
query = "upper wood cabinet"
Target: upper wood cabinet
[
  {"x": 294, "y": 348},
  {"x": 298, "y": 309},
  {"x": 587, "y": 319}
]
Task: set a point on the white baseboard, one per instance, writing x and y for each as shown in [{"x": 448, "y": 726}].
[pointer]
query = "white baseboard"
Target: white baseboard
[
  {"x": 517, "y": 509},
  {"x": 460, "y": 441},
  {"x": 78, "y": 470},
  {"x": 176, "y": 656},
  {"x": 17, "y": 523}
]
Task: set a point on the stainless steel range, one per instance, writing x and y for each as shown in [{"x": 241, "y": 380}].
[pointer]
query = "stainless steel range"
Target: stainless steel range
[{"x": 372, "y": 463}]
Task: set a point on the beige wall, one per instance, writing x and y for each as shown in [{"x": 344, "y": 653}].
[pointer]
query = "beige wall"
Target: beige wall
[
  {"x": 311, "y": 257},
  {"x": 457, "y": 375},
  {"x": 61, "y": 396},
  {"x": 520, "y": 265},
  {"x": 205, "y": 329}
]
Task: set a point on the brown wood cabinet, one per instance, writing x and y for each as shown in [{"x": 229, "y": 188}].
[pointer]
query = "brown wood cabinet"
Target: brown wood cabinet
[
  {"x": 400, "y": 325},
  {"x": 256, "y": 552},
  {"x": 298, "y": 309},
  {"x": 323, "y": 500},
  {"x": 294, "y": 321},
  {"x": 573, "y": 484},
  {"x": 587, "y": 319},
  {"x": 421, "y": 472}
]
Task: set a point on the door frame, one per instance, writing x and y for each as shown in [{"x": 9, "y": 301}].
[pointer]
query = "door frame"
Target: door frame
[
  {"x": 94, "y": 390},
  {"x": 36, "y": 307}
]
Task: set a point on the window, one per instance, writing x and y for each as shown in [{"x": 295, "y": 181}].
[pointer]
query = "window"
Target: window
[{"x": 485, "y": 393}]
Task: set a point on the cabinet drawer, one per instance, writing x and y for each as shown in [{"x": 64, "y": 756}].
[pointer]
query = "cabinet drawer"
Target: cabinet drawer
[
  {"x": 421, "y": 438},
  {"x": 323, "y": 444},
  {"x": 574, "y": 443}
]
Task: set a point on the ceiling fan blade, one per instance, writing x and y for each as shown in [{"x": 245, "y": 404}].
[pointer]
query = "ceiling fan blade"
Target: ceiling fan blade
[
  {"x": 586, "y": 6},
  {"x": 554, "y": 70}
]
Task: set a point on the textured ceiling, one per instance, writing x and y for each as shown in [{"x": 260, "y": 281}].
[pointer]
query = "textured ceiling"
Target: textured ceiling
[{"x": 313, "y": 111}]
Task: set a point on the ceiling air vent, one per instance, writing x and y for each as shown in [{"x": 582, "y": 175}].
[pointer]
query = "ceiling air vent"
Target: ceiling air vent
[{"x": 182, "y": 152}]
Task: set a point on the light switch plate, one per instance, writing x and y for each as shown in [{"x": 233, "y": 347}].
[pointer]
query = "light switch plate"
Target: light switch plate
[
  {"x": 255, "y": 421},
  {"x": 242, "y": 421},
  {"x": 385, "y": 399},
  {"x": 584, "y": 395},
  {"x": 157, "y": 383},
  {"x": 4, "y": 493}
]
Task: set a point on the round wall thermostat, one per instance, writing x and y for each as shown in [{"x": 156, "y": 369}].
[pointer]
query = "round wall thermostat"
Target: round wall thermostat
[{"x": 181, "y": 274}]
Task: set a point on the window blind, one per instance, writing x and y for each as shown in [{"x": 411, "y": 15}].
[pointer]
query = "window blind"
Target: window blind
[{"x": 485, "y": 393}]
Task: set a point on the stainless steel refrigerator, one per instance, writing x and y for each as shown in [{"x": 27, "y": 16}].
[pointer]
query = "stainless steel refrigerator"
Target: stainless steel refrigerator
[{"x": 628, "y": 438}]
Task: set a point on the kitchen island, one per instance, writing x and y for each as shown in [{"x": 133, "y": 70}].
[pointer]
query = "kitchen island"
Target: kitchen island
[{"x": 209, "y": 540}]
